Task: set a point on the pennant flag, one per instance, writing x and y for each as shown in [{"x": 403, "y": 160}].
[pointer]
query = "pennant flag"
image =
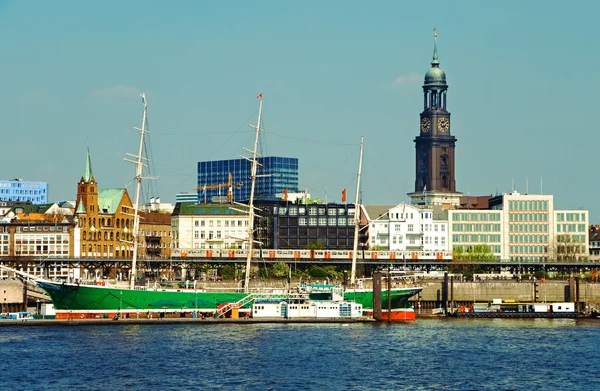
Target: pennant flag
[
  {"x": 344, "y": 195},
  {"x": 424, "y": 188},
  {"x": 285, "y": 193},
  {"x": 259, "y": 96},
  {"x": 403, "y": 208},
  {"x": 143, "y": 96}
]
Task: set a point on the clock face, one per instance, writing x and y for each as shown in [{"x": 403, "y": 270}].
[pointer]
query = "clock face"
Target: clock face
[
  {"x": 443, "y": 124},
  {"x": 425, "y": 125}
]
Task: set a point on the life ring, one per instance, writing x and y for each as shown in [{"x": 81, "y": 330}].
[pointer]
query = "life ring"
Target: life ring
[{"x": 81, "y": 316}]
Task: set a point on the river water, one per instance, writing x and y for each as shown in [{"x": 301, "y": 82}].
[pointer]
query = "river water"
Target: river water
[{"x": 429, "y": 354}]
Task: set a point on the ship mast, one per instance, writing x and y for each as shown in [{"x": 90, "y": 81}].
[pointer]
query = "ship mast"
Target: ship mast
[
  {"x": 356, "y": 216},
  {"x": 251, "y": 203},
  {"x": 139, "y": 164}
]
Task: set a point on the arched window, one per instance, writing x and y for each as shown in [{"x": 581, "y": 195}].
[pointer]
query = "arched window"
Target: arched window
[
  {"x": 111, "y": 236},
  {"x": 118, "y": 223}
]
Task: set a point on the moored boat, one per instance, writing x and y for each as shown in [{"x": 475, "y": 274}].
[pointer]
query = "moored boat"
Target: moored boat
[
  {"x": 400, "y": 308},
  {"x": 512, "y": 309}
]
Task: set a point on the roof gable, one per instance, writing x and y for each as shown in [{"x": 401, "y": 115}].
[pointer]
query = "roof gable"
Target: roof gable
[{"x": 109, "y": 200}]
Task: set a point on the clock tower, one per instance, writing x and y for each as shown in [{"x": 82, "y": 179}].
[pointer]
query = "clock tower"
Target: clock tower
[{"x": 434, "y": 146}]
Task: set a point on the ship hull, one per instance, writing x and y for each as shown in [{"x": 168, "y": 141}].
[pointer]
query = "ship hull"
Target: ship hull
[
  {"x": 94, "y": 301},
  {"x": 401, "y": 309},
  {"x": 91, "y": 301}
]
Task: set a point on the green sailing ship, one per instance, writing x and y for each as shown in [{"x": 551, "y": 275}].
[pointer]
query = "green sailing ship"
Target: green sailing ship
[{"x": 92, "y": 301}]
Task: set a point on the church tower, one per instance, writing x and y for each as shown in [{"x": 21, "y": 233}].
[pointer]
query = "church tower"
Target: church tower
[
  {"x": 435, "y": 182},
  {"x": 87, "y": 191}
]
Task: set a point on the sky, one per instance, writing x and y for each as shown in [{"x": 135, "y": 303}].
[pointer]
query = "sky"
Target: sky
[{"x": 523, "y": 93}]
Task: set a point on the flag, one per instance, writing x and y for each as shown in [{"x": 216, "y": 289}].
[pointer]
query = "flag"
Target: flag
[
  {"x": 424, "y": 188},
  {"x": 403, "y": 208},
  {"x": 285, "y": 193},
  {"x": 259, "y": 96},
  {"x": 143, "y": 96},
  {"x": 344, "y": 195}
]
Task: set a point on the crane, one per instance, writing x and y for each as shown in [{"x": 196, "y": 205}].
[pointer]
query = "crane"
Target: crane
[{"x": 229, "y": 185}]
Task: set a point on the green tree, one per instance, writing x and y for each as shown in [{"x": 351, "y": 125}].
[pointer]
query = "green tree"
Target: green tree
[
  {"x": 317, "y": 245},
  {"x": 564, "y": 248},
  {"x": 479, "y": 252},
  {"x": 278, "y": 270}
]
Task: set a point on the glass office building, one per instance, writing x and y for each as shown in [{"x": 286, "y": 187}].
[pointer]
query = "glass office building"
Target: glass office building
[
  {"x": 24, "y": 191},
  {"x": 275, "y": 174}
]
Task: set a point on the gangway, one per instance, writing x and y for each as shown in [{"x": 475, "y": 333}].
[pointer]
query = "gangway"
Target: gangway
[{"x": 248, "y": 299}]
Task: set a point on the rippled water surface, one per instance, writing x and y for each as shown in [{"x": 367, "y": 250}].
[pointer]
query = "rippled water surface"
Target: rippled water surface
[{"x": 467, "y": 354}]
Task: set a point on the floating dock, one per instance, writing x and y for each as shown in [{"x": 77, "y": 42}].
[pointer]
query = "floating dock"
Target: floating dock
[
  {"x": 516, "y": 315},
  {"x": 156, "y": 321}
]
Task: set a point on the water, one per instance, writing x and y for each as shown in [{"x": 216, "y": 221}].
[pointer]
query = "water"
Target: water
[{"x": 458, "y": 354}]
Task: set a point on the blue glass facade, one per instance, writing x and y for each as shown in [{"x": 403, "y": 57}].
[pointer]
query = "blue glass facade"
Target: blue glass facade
[
  {"x": 24, "y": 191},
  {"x": 280, "y": 173}
]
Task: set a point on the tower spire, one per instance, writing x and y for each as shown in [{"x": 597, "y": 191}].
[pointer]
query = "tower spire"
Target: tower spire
[
  {"x": 435, "y": 61},
  {"x": 87, "y": 173}
]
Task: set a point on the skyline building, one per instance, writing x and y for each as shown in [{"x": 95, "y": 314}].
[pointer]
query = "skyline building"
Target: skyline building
[
  {"x": 19, "y": 190},
  {"x": 274, "y": 175}
]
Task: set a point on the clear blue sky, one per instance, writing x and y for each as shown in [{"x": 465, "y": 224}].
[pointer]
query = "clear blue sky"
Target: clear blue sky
[{"x": 523, "y": 91}]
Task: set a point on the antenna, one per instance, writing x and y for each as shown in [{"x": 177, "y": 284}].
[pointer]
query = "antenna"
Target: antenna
[
  {"x": 541, "y": 186},
  {"x": 526, "y": 185}
]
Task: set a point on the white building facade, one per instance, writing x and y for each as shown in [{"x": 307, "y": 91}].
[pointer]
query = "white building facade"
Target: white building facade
[
  {"x": 209, "y": 226},
  {"x": 472, "y": 227},
  {"x": 522, "y": 227},
  {"x": 408, "y": 228}
]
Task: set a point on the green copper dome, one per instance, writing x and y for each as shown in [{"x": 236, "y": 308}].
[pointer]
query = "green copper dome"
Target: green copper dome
[{"x": 435, "y": 75}]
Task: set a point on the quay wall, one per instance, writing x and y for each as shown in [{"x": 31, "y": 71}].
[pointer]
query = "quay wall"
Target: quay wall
[{"x": 550, "y": 291}]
